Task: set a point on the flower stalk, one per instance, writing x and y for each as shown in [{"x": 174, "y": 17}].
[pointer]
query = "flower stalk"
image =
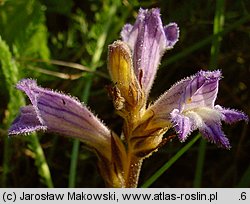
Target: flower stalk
[{"x": 132, "y": 63}]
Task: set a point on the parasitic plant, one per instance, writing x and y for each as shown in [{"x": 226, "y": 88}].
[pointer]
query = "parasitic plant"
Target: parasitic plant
[{"x": 132, "y": 63}]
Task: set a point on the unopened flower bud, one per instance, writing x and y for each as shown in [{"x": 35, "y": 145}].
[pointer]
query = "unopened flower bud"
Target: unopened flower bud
[{"x": 126, "y": 90}]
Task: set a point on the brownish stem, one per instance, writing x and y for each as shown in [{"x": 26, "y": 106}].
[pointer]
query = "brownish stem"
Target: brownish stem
[
  {"x": 133, "y": 171},
  {"x": 134, "y": 163}
]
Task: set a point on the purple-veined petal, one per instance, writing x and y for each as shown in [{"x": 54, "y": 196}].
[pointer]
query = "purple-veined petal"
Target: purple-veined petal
[
  {"x": 61, "y": 114},
  {"x": 231, "y": 116},
  {"x": 213, "y": 133},
  {"x": 201, "y": 90},
  {"x": 148, "y": 40},
  {"x": 189, "y": 105},
  {"x": 181, "y": 124},
  {"x": 169, "y": 101},
  {"x": 26, "y": 122},
  {"x": 195, "y": 91}
]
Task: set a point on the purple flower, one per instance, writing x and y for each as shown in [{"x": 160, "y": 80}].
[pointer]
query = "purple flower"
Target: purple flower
[
  {"x": 59, "y": 113},
  {"x": 132, "y": 63},
  {"x": 189, "y": 105},
  {"x": 148, "y": 39}
]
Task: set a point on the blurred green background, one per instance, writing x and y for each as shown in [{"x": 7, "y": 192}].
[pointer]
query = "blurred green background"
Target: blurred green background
[{"x": 63, "y": 44}]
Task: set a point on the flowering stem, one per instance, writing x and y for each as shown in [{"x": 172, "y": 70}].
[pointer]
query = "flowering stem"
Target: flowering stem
[
  {"x": 134, "y": 162},
  {"x": 134, "y": 168}
]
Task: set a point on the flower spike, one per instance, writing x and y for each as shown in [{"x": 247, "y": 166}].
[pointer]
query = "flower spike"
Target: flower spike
[{"x": 132, "y": 64}]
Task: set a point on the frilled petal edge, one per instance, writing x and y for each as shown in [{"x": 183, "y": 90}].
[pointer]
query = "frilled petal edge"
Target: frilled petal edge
[
  {"x": 60, "y": 113},
  {"x": 231, "y": 115},
  {"x": 181, "y": 124},
  {"x": 172, "y": 35},
  {"x": 26, "y": 122},
  {"x": 206, "y": 120},
  {"x": 213, "y": 133}
]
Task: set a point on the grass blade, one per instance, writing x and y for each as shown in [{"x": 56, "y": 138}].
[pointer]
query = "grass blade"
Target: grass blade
[
  {"x": 245, "y": 180},
  {"x": 76, "y": 143},
  {"x": 88, "y": 83},
  {"x": 186, "y": 52},
  {"x": 215, "y": 49},
  {"x": 168, "y": 164}
]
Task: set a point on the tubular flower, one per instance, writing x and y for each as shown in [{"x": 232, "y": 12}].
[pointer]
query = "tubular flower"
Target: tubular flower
[
  {"x": 132, "y": 63},
  {"x": 149, "y": 39},
  {"x": 189, "y": 105},
  {"x": 59, "y": 113}
]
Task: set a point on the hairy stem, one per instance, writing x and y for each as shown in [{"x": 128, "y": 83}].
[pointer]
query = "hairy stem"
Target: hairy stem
[{"x": 134, "y": 168}]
